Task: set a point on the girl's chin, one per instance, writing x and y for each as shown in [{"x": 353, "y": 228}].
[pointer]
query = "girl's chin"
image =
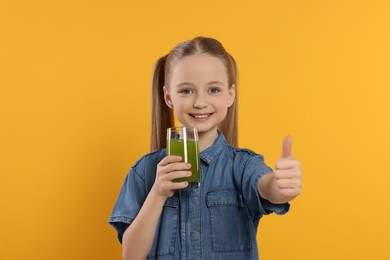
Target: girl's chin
[
  {"x": 202, "y": 127},
  {"x": 205, "y": 130}
]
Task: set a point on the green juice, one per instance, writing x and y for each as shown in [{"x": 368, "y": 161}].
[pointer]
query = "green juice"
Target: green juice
[{"x": 178, "y": 147}]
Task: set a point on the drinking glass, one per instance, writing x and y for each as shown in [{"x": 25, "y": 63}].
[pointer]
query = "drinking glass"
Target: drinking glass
[{"x": 183, "y": 141}]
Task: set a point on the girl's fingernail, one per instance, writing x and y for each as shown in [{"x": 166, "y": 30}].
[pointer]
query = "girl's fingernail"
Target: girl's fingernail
[
  {"x": 189, "y": 173},
  {"x": 188, "y": 165}
]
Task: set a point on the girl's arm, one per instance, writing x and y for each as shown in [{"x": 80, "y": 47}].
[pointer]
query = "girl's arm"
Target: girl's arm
[
  {"x": 286, "y": 183},
  {"x": 138, "y": 238}
]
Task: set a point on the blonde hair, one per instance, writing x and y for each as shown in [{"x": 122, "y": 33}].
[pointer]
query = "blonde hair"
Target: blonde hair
[{"x": 162, "y": 115}]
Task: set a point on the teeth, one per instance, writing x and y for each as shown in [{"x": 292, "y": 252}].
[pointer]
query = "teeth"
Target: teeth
[{"x": 201, "y": 116}]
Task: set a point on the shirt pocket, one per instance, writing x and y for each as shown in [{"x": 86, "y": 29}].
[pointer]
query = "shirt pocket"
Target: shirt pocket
[
  {"x": 167, "y": 229},
  {"x": 229, "y": 223}
]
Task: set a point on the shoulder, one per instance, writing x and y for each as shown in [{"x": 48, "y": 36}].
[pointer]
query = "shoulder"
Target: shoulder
[
  {"x": 145, "y": 167},
  {"x": 246, "y": 159},
  {"x": 149, "y": 160},
  {"x": 243, "y": 153}
]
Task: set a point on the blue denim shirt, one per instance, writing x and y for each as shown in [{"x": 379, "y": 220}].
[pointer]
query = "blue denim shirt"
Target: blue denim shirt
[{"x": 216, "y": 221}]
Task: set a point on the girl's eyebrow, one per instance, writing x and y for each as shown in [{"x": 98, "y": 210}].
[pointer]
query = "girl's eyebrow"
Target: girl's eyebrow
[
  {"x": 215, "y": 82},
  {"x": 192, "y": 84},
  {"x": 185, "y": 84}
]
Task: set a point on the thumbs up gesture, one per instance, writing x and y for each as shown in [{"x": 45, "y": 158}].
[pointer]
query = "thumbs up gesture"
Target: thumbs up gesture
[
  {"x": 288, "y": 174},
  {"x": 286, "y": 182}
]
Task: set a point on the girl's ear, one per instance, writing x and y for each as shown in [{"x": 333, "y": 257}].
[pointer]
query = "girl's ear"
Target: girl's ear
[
  {"x": 232, "y": 95},
  {"x": 167, "y": 98}
]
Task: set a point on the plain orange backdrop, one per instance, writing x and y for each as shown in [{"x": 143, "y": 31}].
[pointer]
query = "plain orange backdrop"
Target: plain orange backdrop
[{"x": 74, "y": 103}]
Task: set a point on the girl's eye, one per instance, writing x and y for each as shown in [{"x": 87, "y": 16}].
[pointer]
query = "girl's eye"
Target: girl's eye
[
  {"x": 214, "y": 90},
  {"x": 186, "y": 91}
]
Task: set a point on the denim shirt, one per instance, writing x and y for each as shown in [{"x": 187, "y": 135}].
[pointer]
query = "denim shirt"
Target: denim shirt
[{"x": 216, "y": 221}]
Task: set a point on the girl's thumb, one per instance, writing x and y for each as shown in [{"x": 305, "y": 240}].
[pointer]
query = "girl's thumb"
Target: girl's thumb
[{"x": 287, "y": 147}]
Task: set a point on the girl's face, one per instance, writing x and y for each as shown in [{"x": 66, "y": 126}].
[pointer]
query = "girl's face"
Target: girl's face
[{"x": 199, "y": 93}]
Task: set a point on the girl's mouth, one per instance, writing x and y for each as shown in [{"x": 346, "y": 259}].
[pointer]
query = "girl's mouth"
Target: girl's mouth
[{"x": 201, "y": 116}]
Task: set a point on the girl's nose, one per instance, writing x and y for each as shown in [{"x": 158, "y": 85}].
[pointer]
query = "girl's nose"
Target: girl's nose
[{"x": 200, "y": 102}]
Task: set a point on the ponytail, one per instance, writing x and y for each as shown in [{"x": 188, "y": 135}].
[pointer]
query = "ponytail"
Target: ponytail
[
  {"x": 229, "y": 126},
  {"x": 162, "y": 116}
]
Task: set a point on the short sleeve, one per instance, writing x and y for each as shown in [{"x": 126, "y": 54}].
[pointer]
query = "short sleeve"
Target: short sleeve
[
  {"x": 254, "y": 169},
  {"x": 129, "y": 202}
]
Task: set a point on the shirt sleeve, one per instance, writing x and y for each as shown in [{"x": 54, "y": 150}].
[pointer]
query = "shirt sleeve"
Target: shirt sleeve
[
  {"x": 254, "y": 169},
  {"x": 129, "y": 202}
]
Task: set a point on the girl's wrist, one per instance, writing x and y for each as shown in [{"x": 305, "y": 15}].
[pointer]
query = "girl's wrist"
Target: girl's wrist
[
  {"x": 264, "y": 185},
  {"x": 156, "y": 196}
]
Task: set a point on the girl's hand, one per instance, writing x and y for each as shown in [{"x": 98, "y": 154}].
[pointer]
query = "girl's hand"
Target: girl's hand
[
  {"x": 288, "y": 174},
  {"x": 168, "y": 169}
]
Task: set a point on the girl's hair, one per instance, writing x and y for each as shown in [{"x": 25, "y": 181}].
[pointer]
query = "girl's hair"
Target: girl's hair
[{"x": 162, "y": 115}]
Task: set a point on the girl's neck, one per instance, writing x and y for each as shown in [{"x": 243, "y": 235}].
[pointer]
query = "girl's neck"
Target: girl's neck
[{"x": 207, "y": 139}]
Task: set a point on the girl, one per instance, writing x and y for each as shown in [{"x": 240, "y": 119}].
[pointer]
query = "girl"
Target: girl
[{"x": 158, "y": 219}]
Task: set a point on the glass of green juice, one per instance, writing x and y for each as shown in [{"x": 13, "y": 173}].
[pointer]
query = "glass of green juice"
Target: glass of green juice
[{"x": 183, "y": 141}]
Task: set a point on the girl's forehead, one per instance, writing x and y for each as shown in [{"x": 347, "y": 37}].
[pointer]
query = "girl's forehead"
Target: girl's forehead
[{"x": 198, "y": 67}]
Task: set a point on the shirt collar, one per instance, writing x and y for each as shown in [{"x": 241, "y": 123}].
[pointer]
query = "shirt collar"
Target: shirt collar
[{"x": 213, "y": 151}]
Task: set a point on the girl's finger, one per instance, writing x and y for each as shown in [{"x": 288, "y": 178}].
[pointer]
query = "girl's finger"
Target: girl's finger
[
  {"x": 176, "y": 166},
  {"x": 286, "y": 174},
  {"x": 169, "y": 159},
  {"x": 177, "y": 185},
  {"x": 287, "y": 147},
  {"x": 287, "y": 184},
  {"x": 290, "y": 192},
  {"x": 175, "y": 175},
  {"x": 287, "y": 164}
]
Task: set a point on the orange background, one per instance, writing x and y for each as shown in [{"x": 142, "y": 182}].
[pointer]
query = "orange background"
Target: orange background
[{"x": 74, "y": 103}]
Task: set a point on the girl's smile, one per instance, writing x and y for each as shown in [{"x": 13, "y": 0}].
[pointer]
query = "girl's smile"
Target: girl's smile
[{"x": 201, "y": 117}]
